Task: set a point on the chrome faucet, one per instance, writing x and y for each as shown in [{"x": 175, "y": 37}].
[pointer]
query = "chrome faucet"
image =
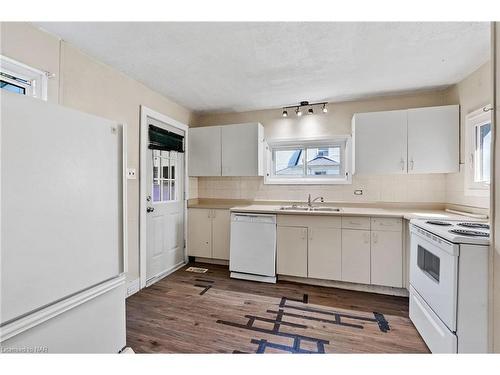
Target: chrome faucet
[{"x": 310, "y": 202}]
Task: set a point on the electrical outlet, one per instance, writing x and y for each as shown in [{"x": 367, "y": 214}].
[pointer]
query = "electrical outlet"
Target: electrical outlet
[
  {"x": 358, "y": 192},
  {"x": 131, "y": 175}
]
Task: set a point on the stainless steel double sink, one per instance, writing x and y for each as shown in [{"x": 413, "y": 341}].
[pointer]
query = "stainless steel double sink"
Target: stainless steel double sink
[{"x": 310, "y": 208}]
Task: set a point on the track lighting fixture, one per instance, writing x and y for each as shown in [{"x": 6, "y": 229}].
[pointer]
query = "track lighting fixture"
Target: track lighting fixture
[{"x": 304, "y": 103}]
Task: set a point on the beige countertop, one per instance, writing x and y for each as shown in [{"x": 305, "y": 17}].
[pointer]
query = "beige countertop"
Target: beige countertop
[{"x": 348, "y": 210}]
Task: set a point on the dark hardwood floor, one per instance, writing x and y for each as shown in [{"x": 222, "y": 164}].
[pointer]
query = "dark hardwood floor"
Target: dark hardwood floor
[{"x": 210, "y": 313}]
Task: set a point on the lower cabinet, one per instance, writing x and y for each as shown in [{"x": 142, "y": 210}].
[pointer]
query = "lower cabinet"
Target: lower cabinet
[
  {"x": 387, "y": 258},
  {"x": 324, "y": 253},
  {"x": 356, "y": 256},
  {"x": 291, "y": 251},
  {"x": 208, "y": 233}
]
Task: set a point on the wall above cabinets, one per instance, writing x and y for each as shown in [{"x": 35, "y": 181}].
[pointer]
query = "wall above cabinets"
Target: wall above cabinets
[
  {"x": 409, "y": 141},
  {"x": 229, "y": 150}
]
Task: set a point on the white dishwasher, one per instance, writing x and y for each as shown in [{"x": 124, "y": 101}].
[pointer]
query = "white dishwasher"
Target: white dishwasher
[{"x": 253, "y": 247}]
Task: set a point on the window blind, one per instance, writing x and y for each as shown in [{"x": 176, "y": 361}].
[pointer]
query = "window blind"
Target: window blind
[{"x": 161, "y": 139}]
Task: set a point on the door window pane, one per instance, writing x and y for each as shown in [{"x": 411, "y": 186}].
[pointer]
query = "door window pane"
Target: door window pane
[
  {"x": 323, "y": 161},
  {"x": 165, "y": 191},
  {"x": 289, "y": 162},
  {"x": 156, "y": 191}
]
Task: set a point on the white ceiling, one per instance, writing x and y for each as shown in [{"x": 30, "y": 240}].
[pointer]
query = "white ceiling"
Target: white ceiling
[{"x": 247, "y": 66}]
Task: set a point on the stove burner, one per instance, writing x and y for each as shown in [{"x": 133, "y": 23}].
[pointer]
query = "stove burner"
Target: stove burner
[
  {"x": 470, "y": 233},
  {"x": 474, "y": 225},
  {"x": 436, "y": 222}
]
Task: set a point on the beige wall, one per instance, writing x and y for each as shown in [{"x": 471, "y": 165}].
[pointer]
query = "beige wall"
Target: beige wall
[
  {"x": 90, "y": 86},
  {"x": 471, "y": 93},
  {"x": 403, "y": 188}
]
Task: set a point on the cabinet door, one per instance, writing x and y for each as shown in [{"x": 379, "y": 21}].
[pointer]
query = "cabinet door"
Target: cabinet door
[
  {"x": 292, "y": 251},
  {"x": 205, "y": 151},
  {"x": 387, "y": 258},
  {"x": 324, "y": 253},
  {"x": 433, "y": 139},
  {"x": 242, "y": 150},
  {"x": 380, "y": 142},
  {"x": 220, "y": 234},
  {"x": 199, "y": 239},
  {"x": 356, "y": 256}
]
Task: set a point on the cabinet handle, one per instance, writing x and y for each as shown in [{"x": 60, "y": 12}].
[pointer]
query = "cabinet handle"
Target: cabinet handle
[
  {"x": 311, "y": 235},
  {"x": 304, "y": 233},
  {"x": 411, "y": 163},
  {"x": 402, "y": 162},
  {"x": 375, "y": 238},
  {"x": 367, "y": 237}
]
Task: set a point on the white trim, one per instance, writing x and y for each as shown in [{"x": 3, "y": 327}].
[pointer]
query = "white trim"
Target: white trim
[
  {"x": 163, "y": 274},
  {"x": 133, "y": 287},
  {"x": 125, "y": 198},
  {"x": 472, "y": 120},
  {"x": 23, "y": 324},
  {"x": 37, "y": 78},
  {"x": 346, "y": 169},
  {"x": 145, "y": 113}
]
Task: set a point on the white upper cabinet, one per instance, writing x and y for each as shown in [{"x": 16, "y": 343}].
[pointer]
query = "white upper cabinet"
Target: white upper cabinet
[
  {"x": 433, "y": 139},
  {"x": 229, "y": 150},
  {"x": 380, "y": 142},
  {"x": 419, "y": 140},
  {"x": 242, "y": 148},
  {"x": 205, "y": 151}
]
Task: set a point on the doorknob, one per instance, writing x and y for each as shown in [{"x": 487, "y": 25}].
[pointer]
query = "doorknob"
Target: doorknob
[
  {"x": 150, "y": 209},
  {"x": 148, "y": 198}
]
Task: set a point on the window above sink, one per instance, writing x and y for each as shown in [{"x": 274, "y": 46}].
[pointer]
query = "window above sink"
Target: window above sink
[{"x": 309, "y": 161}]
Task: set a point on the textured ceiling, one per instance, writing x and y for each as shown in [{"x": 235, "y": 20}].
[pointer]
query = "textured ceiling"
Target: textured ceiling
[{"x": 246, "y": 66}]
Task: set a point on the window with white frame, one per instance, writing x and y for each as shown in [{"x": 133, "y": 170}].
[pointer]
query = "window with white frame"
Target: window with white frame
[
  {"x": 478, "y": 152},
  {"x": 308, "y": 161},
  {"x": 22, "y": 79}
]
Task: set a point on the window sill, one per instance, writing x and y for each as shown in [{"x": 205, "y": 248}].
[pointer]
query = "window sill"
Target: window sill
[{"x": 308, "y": 181}]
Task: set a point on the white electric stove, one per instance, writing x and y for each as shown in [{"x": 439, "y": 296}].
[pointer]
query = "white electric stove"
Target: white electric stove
[{"x": 449, "y": 284}]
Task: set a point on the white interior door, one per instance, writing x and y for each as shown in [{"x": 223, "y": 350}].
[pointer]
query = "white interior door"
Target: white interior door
[{"x": 165, "y": 213}]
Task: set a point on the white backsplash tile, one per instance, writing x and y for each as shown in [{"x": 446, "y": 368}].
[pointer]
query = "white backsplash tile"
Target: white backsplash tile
[{"x": 398, "y": 188}]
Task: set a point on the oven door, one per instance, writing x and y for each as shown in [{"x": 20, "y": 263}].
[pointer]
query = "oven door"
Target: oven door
[{"x": 434, "y": 274}]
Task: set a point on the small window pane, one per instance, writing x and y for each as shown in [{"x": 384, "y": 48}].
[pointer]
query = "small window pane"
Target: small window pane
[
  {"x": 173, "y": 192},
  {"x": 483, "y": 150},
  {"x": 12, "y": 88},
  {"x": 323, "y": 161},
  {"x": 156, "y": 166},
  {"x": 289, "y": 162},
  {"x": 164, "y": 168},
  {"x": 156, "y": 191},
  {"x": 165, "y": 191}
]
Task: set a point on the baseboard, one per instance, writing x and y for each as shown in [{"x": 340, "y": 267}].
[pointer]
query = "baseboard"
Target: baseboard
[
  {"x": 164, "y": 274},
  {"x": 221, "y": 262},
  {"x": 133, "y": 287},
  {"x": 401, "y": 292}
]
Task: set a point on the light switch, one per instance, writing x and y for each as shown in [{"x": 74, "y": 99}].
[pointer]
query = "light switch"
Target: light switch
[
  {"x": 358, "y": 192},
  {"x": 131, "y": 175}
]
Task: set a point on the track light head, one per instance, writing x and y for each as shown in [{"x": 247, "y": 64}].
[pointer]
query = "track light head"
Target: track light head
[
  {"x": 298, "y": 111},
  {"x": 324, "y": 109},
  {"x": 310, "y": 111},
  {"x": 285, "y": 113}
]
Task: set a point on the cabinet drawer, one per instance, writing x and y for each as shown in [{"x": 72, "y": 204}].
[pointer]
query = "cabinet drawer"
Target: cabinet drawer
[
  {"x": 391, "y": 224},
  {"x": 355, "y": 222},
  {"x": 308, "y": 220}
]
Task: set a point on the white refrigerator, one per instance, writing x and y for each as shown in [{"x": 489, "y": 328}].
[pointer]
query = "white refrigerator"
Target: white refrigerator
[{"x": 63, "y": 252}]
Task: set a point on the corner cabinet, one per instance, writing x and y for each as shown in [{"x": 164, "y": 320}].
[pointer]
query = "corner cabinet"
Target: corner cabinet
[
  {"x": 228, "y": 150},
  {"x": 418, "y": 140}
]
